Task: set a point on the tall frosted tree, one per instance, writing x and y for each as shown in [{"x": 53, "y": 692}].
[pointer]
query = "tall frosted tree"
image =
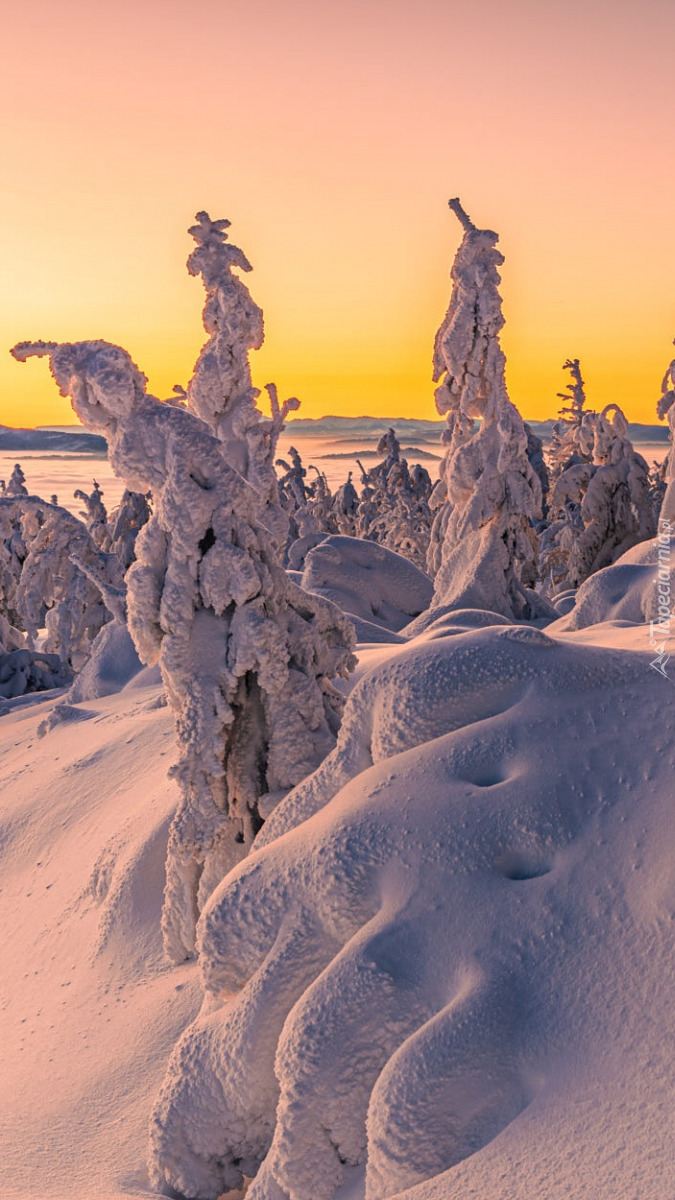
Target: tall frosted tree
[
  {"x": 221, "y": 392},
  {"x": 483, "y": 544},
  {"x": 247, "y": 657}
]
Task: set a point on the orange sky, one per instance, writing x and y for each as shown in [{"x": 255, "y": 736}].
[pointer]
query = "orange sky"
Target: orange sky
[{"x": 331, "y": 134}]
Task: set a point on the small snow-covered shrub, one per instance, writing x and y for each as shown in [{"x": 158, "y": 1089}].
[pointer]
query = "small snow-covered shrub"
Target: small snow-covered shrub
[
  {"x": 600, "y": 507},
  {"x": 46, "y": 559},
  {"x": 394, "y": 510}
]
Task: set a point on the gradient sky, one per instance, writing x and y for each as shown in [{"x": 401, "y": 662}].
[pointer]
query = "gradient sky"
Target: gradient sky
[{"x": 332, "y": 135}]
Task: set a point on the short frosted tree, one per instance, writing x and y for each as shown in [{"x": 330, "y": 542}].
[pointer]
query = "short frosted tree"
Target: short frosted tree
[
  {"x": 47, "y": 554},
  {"x": 95, "y": 514},
  {"x": 568, "y": 446},
  {"x": 16, "y": 484},
  {"x": 126, "y": 522},
  {"x": 598, "y": 509},
  {"x": 346, "y": 507},
  {"x": 666, "y": 409},
  {"x": 394, "y": 511},
  {"x": 221, "y": 392},
  {"x": 247, "y": 657},
  {"x": 489, "y": 495}
]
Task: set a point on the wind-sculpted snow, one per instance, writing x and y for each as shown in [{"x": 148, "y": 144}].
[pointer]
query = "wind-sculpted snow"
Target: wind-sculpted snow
[
  {"x": 393, "y": 973},
  {"x": 367, "y": 580},
  {"x": 639, "y": 587},
  {"x": 483, "y": 548},
  {"x": 247, "y": 657}
]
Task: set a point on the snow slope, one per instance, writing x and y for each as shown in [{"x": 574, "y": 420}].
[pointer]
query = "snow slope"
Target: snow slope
[
  {"x": 455, "y": 942},
  {"x": 88, "y": 1009}
]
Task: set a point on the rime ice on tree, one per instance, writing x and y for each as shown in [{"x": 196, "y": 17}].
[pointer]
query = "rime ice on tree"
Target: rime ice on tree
[
  {"x": 246, "y": 656},
  {"x": 220, "y": 391},
  {"x": 666, "y": 408},
  {"x": 599, "y": 508},
  {"x": 488, "y": 491}
]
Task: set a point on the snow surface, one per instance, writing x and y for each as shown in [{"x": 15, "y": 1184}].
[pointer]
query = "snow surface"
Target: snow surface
[{"x": 461, "y": 964}]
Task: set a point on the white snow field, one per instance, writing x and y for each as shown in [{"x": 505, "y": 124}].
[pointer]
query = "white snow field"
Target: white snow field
[{"x": 445, "y": 971}]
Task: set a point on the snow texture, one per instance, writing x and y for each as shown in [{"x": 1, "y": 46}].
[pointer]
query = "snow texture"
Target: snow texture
[
  {"x": 483, "y": 547},
  {"x": 638, "y": 587},
  {"x": 247, "y": 657},
  {"x": 422, "y": 929},
  {"x": 367, "y": 581}
]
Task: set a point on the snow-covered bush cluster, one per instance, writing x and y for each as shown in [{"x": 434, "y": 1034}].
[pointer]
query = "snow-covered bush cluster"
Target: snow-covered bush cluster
[{"x": 601, "y": 500}]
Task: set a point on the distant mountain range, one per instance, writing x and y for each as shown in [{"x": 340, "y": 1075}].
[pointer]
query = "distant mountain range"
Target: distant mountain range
[
  {"x": 348, "y": 429},
  {"x": 73, "y": 439}
]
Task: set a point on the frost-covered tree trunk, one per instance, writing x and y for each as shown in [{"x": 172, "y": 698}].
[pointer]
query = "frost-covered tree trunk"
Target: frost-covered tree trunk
[
  {"x": 666, "y": 408},
  {"x": 221, "y": 392},
  {"x": 489, "y": 491},
  {"x": 247, "y": 657}
]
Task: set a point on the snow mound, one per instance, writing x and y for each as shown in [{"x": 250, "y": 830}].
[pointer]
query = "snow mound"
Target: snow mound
[
  {"x": 635, "y": 588},
  {"x": 442, "y": 934},
  {"x": 367, "y": 580}
]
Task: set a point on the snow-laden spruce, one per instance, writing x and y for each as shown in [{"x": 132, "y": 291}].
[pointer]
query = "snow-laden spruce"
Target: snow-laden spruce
[
  {"x": 16, "y": 484},
  {"x": 221, "y": 392},
  {"x": 395, "y": 511},
  {"x": 600, "y": 504},
  {"x": 483, "y": 547},
  {"x": 666, "y": 408},
  {"x": 247, "y": 657}
]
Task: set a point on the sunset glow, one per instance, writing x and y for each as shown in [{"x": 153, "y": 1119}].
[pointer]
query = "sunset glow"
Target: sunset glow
[{"x": 332, "y": 137}]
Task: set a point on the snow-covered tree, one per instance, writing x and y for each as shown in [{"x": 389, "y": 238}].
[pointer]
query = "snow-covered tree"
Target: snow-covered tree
[
  {"x": 126, "y": 522},
  {"x": 45, "y": 554},
  {"x": 489, "y": 495},
  {"x": 247, "y": 657},
  {"x": 598, "y": 509},
  {"x": 394, "y": 509},
  {"x": 221, "y": 391},
  {"x": 16, "y": 484},
  {"x": 568, "y": 445},
  {"x": 95, "y": 514},
  {"x": 346, "y": 507},
  {"x": 666, "y": 409}
]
